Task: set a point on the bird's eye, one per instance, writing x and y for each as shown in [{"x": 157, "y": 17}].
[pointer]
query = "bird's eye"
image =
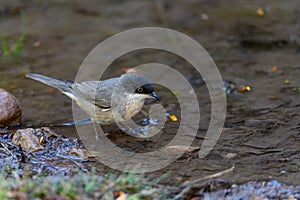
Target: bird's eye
[{"x": 139, "y": 90}]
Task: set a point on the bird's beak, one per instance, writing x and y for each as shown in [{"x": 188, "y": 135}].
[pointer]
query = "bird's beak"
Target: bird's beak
[{"x": 154, "y": 95}]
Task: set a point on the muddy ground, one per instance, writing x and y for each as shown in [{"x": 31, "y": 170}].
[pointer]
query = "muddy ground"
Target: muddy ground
[{"x": 262, "y": 129}]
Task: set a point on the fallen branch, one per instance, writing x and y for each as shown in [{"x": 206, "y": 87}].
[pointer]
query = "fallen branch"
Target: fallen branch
[
  {"x": 213, "y": 175},
  {"x": 7, "y": 149},
  {"x": 189, "y": 185}
]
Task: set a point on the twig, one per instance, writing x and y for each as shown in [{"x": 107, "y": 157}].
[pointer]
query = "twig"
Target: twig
[
  {"x": 112, "y": 185},
  {"x": 214, "y": 175},
  {"x": 3, "y": 130},
  {"x": 190, "y": 184},
  {"x": 296, "y": 127},
  {"x": 80, "y": 167},
  {"x": 74, "y": 162},
  {"x": 23, "y": 160},
  {"x": 7, "y": 150}
]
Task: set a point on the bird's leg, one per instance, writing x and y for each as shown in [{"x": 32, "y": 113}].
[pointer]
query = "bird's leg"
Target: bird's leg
[
  {"x": 146, "y": 115},
  {"x": 83, "y": 121}
]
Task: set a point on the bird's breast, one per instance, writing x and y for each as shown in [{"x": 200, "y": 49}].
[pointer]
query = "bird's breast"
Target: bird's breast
[{"x": 132, "y": 108}]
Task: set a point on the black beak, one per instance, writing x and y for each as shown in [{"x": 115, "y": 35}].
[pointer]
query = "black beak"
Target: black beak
[{"x": 154, "y": 95}]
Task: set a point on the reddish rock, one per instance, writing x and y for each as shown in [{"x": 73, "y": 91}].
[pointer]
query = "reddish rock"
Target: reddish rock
[{"x": 10, "y": 109}]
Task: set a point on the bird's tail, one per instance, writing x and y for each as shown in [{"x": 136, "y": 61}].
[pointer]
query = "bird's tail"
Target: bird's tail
[{"x": 64, "y": 86}]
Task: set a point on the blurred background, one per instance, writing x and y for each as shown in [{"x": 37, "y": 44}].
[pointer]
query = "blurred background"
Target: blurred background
[{"x": 253, "y": 43}]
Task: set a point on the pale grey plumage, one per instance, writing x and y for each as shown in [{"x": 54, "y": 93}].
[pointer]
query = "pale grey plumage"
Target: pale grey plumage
[{"x": 115, "y": 99}]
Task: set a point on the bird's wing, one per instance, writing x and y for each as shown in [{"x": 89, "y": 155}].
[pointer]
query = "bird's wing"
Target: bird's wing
[{"x": 97, "y": 92}]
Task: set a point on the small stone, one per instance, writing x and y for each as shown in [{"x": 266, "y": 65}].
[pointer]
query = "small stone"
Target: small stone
[
  {"x": 204, "y": 16},
  {"x": 27, "y": 139},
  {"x": 10, "y": 109},
  {"x": 37, "y": 44},
  {"x": 230, "y": 155}
]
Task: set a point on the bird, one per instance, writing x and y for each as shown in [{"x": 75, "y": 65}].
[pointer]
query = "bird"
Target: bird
[{"x": 108, "y": 101}]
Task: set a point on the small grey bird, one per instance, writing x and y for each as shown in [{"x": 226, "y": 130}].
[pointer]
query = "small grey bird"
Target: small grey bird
[{"x": 112, "y": 100}]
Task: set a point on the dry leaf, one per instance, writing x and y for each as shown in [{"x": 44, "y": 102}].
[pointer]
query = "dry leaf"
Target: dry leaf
[
  {"x": 245, "y": 88},
  {"x": 82, "y": 153},
  {"x": 173, "y": 118},
  {"x": 260, "y": 12}
]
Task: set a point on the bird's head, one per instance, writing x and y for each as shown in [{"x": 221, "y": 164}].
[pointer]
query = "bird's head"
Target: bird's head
[{"x": 137, "y": 85}]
